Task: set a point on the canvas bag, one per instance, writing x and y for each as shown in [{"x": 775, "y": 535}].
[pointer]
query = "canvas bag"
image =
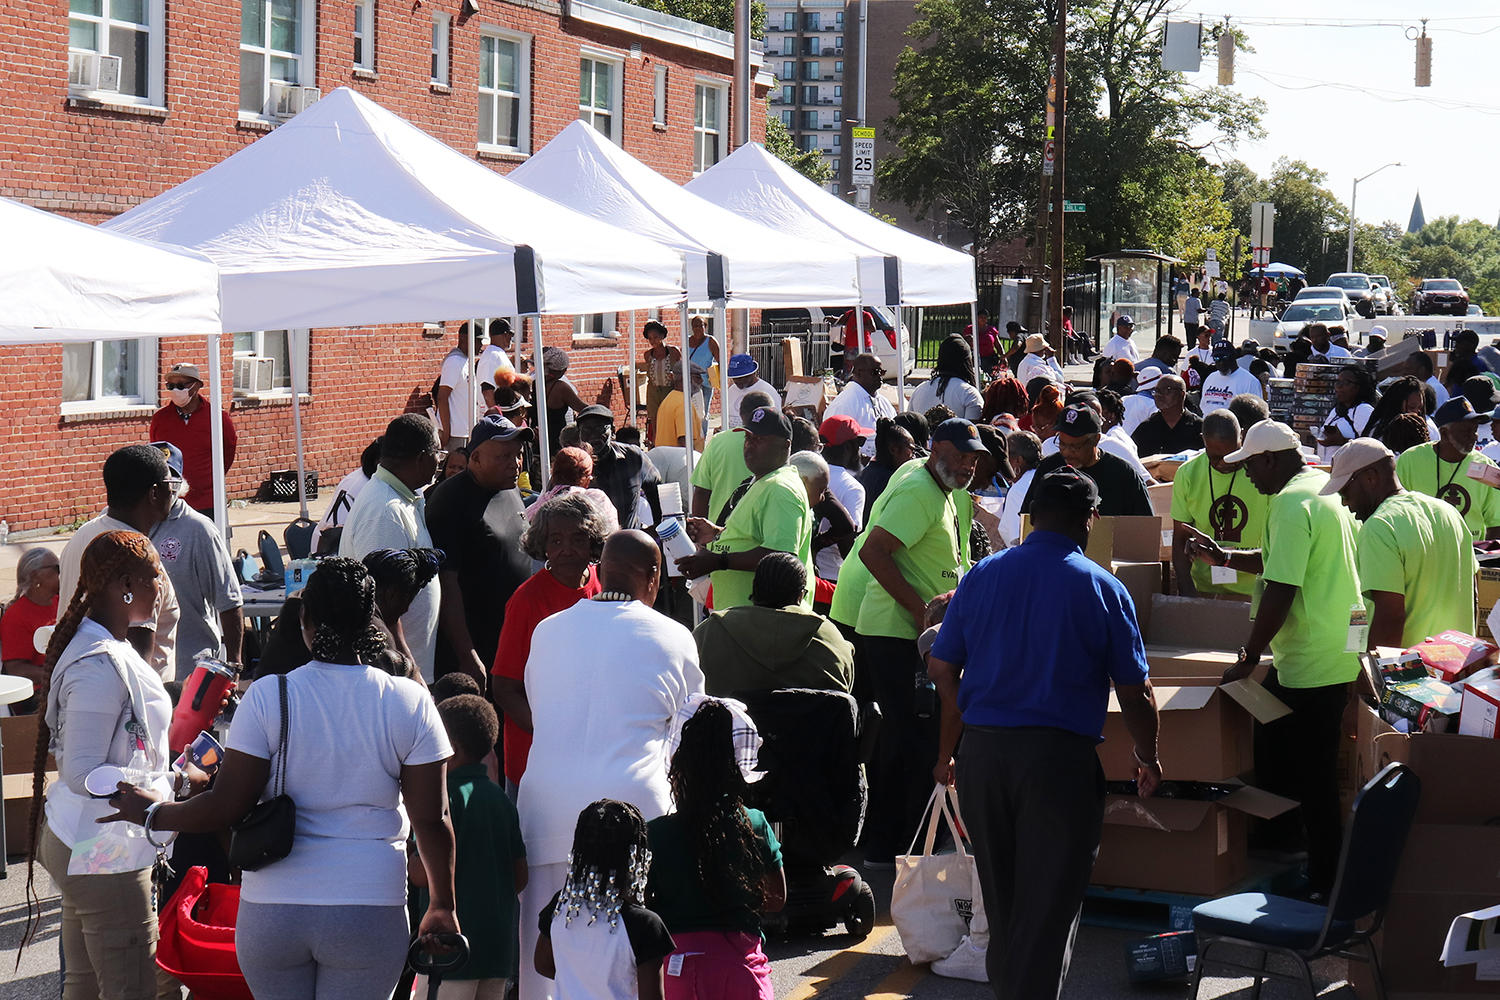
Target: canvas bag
[{"x": 934, "y": 894}]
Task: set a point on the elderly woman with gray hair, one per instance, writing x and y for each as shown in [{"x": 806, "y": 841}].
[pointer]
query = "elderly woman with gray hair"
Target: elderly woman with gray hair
[
  {"x": 34, "y": 606},
  {"x": 567, "y": 534}
]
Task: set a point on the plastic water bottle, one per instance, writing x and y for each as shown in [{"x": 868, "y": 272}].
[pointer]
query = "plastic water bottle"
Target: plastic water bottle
[{"x": 672, "y": 534}]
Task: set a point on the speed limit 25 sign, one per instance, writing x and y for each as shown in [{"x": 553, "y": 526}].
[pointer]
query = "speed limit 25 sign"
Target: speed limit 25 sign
[{"x": 862, "y": 147}]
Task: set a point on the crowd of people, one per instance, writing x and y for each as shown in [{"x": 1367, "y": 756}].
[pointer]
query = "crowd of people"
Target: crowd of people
[{"x": 510, "y": 712}]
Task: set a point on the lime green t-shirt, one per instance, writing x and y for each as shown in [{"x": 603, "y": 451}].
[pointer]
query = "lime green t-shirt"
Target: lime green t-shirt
[
  {"x": 854, "y": 575},
  {"x": 1420, "y": 469},
  {"x": 720, "y": 469},
  {"x": 1226, "y": 507},
  {"x": 1310, "y": 544},
  {"x": 933, "y": 527},
  {"x": 773, "y": 514},
  {"x": 1418, "y": 546}
]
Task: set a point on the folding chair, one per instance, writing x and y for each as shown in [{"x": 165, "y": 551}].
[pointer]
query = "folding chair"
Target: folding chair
[{"x": 1301, "y": 931}]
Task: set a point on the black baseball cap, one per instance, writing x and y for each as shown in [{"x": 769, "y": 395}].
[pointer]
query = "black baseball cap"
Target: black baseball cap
[
  {"x": 1065, "y": 490},
  {"x": 602, "y": 412},
  {"x": 494, "y": 427},
  {"x": 1455, "y": 410},
  {"x": 960, "y": 433},
  {"x": 769, "y": 422},
  {"x": 1079, "y": 420},
  {"x": 1223, "y": 349}
]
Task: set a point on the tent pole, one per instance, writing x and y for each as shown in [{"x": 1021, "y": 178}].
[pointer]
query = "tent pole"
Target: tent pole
[
  {"x": 630, "y": 402},
  {"x": 721, "y": 320},
  {"x": 974, "y": 338},
  {"x": 539, "y": 393},
  {"x": 859, "y": 337},
  {"x": 688, "y": 414},
  {"x": 900, "y": 361},
  {"x": 216, "y": 436},
  {"x": 297, "y": 421}
]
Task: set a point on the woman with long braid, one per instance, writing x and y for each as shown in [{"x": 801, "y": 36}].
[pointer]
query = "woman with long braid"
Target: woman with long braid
[
  {"x": 103, "y": 705},
  {"x": 715, "y": 866},
  {"x": 328, "y": 921}
]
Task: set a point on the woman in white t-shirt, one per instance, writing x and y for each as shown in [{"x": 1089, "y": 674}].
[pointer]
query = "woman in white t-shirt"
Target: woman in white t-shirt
[
  {"x": 329, "y": 919},
  {"x": 1353, "y": 405},
  {"x": 952, "y": 381}
]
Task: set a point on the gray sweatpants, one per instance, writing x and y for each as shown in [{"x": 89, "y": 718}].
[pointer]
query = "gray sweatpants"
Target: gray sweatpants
[{"x": 293, "y": 952}]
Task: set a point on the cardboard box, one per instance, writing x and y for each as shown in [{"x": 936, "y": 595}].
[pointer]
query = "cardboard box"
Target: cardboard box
[
  {"x": 1451, "y": 655},
  {"x": 1144, "y": 581},
  {"x": 1481, "y": 709},
  {"x": 1122, "y": 539},
  {"x": 1196, "y": 637},
  {"x": 1179, "y": 845},
  {"x": 1205, "y": 733},
  {"x": 1487, "y": 588},
  {"x": 1161, "y": 956}
]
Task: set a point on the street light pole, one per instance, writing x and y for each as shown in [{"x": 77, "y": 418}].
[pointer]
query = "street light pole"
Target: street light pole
[{"x": 1353, "y": 197}]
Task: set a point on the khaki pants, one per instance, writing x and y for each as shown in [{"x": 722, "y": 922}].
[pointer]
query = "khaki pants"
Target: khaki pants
[{"x": 108, "y": 929}]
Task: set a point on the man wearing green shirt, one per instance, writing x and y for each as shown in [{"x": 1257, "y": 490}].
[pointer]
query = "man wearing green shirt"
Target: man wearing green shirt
[
  {"x": 1416, "y": 560},
  {"x": 915, "y": 548},
  {"x": 720, "y": 470},
  {"x": 771, "y": 515},
  {"x": 1441, "y": 469},
  {"x": 1311, "y": 615},
  {"x": 1215, "y": 497}
]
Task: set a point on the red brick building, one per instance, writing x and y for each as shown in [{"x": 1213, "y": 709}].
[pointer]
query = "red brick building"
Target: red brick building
[{"x": 111, "y": 102}]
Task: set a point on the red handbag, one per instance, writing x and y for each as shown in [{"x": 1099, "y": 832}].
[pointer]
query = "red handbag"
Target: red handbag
[{"x": 196, "y": 946}]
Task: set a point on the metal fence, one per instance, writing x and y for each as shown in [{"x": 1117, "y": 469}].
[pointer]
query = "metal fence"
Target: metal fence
[
  {"x": 930, "y": 326},
  {"x": 765, "y": 348}
]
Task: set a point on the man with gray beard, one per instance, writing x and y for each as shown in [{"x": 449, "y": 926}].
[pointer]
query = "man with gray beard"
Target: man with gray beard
[{"x": 915, "y": 548}]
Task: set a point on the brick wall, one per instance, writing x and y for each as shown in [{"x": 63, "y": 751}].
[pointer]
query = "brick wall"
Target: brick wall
[{"x": 92, "y": 162}]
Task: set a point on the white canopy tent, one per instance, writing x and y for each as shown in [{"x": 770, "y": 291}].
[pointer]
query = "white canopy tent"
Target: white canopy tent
[
  {"x": 730, "y": 259},
  {"x": 348, "y": 215},
  {"x": 62, "y": 281},
  {"x": 897, "y": 268}
]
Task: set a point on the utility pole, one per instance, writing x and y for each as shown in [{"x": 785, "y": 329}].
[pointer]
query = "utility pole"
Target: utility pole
[
  {"x": 743, "y": 93},
  {"x": 1057, "y": 132}
]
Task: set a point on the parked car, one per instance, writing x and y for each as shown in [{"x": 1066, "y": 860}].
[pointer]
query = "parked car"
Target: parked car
[
  {"x": 1440, "y": 296},
  {"x": 1359, "y": 288},
  {"x": 1321, "y": 293},
  {"x": 1475, "y": 310},
  {"x": 1332, "y": 311},
  {"x": 1385, "y": 294}
]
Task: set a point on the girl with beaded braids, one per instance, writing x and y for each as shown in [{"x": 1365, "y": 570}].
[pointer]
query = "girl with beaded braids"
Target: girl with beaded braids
[
  {"x": 716, "y": 864},
  {"x": 582, "y": 946},
  {"x": 328, "y": 921},
  {"x": 103, "y": 705}
]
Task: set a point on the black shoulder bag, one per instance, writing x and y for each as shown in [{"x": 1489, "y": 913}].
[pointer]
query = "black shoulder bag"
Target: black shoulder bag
[{"x": 265, "y": 835}]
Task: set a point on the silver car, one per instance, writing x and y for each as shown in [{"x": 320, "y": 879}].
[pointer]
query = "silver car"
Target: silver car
[{"x": 1334, "y": 312}]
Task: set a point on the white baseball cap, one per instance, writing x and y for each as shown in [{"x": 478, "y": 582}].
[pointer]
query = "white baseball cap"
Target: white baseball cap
[
  {"x": 1353, "y": 458},
  {"x": 1268, "y": 435}
]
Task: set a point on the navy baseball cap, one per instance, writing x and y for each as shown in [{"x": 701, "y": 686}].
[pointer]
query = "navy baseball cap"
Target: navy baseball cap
[
  {"x": 1223, "y": 349},
  {"x": 1455, "y": 410},
  {"x": 1065, "y": 490},
  {"x": 494, "y": 427},
  {"x": 769, "y": 422},
  {"x": 173, "y": 455},
  {"x": 960, "y": 433}
]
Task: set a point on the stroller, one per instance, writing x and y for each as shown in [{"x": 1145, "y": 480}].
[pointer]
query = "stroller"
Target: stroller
[{"x": 815, "y": 746}]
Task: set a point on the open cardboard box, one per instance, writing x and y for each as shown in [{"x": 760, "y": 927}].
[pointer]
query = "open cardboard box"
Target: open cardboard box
[
  {"x": 1206, "y": 730},
  {"x": 1118, "y": 539},
  {"x": 1144, "y": 581},
  {"x": 1178, "y": 845}
]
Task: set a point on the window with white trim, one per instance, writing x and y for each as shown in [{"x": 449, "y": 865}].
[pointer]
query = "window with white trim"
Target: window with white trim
[
  {"x": 116, "y": 50},
  {"x": 277, "y": 45},
  {"x": 106, "y": 374},
  {"x": 270, "y": 374},
  {"x": 441, "y": 27},
  {"x": 504, "y": 92},
  {"x": 708, "y": 117},
  {"x": 594, "y": 326},
  {"x": 599, "y": 83},
  {"x": 659, "y": 97},
  {"x": 364, "y": 34}
]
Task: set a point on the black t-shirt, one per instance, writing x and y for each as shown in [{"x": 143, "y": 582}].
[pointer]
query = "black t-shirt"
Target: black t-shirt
[
  {"x": 1122, "y": 492},
  {"x": 479, "y": 533},
  {"x": 1154, "y": 437},
  {"x": 649, "y": 938},
  {"x": 622, "y": 472}
]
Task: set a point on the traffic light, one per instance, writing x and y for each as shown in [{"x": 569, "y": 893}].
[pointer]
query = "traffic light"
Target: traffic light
[
  {"x": 1226, "y": 59},
  {"x": 1424, "y": 60}
]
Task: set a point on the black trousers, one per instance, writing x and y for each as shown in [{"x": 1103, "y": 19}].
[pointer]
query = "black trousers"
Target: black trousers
[
  {"x": 1033, "y": 799},
  {"x": 1296, "y": 756},
  {"x": 905, "y": 751}
]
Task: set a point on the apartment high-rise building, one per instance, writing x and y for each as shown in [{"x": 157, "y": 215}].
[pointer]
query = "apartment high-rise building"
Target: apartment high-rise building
[{"x": 805, "y": 48}]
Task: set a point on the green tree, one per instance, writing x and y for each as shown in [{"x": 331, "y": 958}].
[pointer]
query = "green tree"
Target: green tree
[
  {"x": 808, "y": 162},
  {"x": 714, "y": 13},
  {"x": 1466, "y": 250}
]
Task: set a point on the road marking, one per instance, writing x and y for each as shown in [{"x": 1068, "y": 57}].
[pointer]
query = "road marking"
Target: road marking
[
  {"x": 822, "y": 976},
  {"x": 899, "y": 984}
]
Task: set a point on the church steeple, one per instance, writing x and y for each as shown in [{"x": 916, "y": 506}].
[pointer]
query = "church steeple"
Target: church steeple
[{"x": 1418, "y": 220}]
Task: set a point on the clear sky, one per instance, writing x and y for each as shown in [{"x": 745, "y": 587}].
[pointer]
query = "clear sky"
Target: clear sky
[{"x": 1374, "y": 114}]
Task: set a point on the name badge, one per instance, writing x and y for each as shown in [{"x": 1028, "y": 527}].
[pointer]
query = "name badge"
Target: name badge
[
  {"x": 1223, "y": 574},
  {"x": 1359, "y": 630}
]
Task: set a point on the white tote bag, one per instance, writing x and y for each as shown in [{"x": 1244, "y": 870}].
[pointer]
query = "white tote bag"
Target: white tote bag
[{"x": 934, "y": 893}]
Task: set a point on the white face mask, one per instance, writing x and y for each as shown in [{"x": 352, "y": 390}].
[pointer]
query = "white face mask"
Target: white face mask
[{"x": 181, "y": 397}]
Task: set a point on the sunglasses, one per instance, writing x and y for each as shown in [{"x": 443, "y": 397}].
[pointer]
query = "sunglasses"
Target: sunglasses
[{"x": 179, "y": 385}]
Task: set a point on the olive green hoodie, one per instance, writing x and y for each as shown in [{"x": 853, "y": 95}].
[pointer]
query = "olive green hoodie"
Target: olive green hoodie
[{"x": 755, "y": 649}]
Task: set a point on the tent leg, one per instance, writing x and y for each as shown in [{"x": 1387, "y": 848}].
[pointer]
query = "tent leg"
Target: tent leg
[
  {"x": 721, "y": 320},
  {"x": 630, "y": 402},
  {"x": 974, "y": 338},
  {"x": 216, "y": 436},
  {"x": 543, "y": 445},
  {"x": 859, "y": 337},
  {"x": 297, "y": 422},
  {"x": 900, "y": 361},
  {"x": 688, "y": 413}
]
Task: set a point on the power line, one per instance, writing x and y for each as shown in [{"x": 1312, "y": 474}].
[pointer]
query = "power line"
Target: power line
[
  {"x": 1387, "y": 96},
  {"x": 1254, "y": 21}
]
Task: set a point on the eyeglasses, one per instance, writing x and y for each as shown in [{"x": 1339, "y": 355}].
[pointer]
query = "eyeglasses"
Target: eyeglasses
[{"x": 179, "y": 385}]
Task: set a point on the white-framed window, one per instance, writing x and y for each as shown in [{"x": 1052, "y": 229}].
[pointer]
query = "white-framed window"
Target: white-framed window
[
  {"x": 271, "y": 377},
  {"x": 108, "y": 374},
  {"x": 504, "y": 91},
  {"x": 364, "y": 34},
  {"x": 442, "y": 25},
  {"x": 277, "y": 45},
  {"x": 593, "y": 326},
  {"x": 708, "y": 125},
  {"x": 117, "y": 50},
  {"x": 600, "y": 79},
  {"x": 659, "y": 97}
]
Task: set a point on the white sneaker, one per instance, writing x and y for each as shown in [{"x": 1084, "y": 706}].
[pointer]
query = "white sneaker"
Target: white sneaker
[{"x": 966, "y": 962}]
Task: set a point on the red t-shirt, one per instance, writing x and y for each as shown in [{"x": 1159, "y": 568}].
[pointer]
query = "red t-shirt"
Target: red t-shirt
[
  {"x": 18, "y": 628},
  {"x": 192, "y": 438},
  {"x": 539, "y": 597}
]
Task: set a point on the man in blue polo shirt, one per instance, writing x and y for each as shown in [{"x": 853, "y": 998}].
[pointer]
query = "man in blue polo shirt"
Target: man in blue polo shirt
[{"x": 1031, "y": 642}]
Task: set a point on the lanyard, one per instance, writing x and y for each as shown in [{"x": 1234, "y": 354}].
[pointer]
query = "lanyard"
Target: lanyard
[{"x": 1437, "y": 471}]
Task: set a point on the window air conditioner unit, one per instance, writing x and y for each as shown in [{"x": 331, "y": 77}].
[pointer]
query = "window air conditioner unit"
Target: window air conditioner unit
[
  {"x": 254, "y": 375},
  {"x": 94, "y": 71},
  {"x": 838, "y": 52},
  {"x": 289, "y": 100}
]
